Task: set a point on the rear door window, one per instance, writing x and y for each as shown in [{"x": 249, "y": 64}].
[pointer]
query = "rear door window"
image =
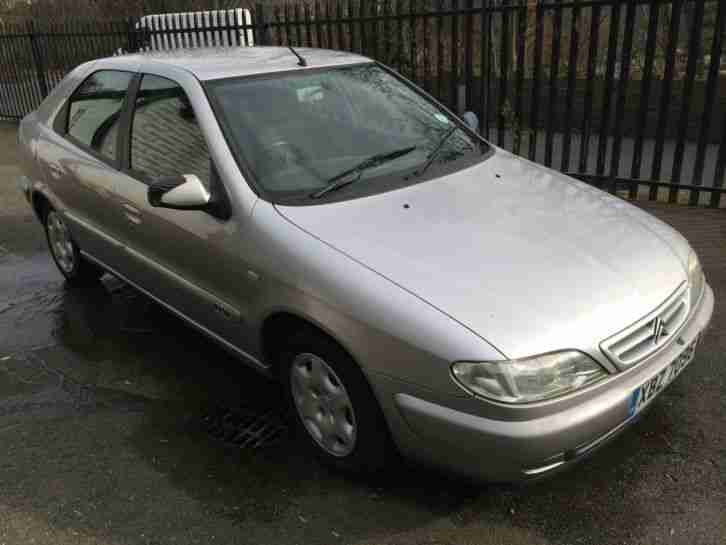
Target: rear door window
[{"x": 94, "y": 111}]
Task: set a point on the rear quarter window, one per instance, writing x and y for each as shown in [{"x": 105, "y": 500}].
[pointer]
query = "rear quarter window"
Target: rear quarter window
[
  {"x": 55, "y": 102},
  {"x": 94, "y": 111}
]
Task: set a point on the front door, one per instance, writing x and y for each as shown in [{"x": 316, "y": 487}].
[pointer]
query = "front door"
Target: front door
[{"x": 189, "y": 259}]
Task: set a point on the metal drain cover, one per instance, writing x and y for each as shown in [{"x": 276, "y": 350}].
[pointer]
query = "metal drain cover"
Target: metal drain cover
[{"x": 245, "y": 427}]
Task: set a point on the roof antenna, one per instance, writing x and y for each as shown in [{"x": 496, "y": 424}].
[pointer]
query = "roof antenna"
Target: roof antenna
[{"x": 301, "y": 59}]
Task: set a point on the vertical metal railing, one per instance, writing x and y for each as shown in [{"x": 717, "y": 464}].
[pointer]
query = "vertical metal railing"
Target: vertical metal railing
[
  {"x": 629, "y": 95},
  {"x": 569, "y": 83}
]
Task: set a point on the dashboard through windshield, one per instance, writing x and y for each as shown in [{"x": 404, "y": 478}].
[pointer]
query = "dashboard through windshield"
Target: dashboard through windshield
[{"x": 299, "y": 132}]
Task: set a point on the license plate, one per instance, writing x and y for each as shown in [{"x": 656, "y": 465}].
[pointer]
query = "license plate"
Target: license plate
[{"x": 647, "y": 391}]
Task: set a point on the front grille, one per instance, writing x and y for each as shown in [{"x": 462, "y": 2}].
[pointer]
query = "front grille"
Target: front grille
[{"x": 650, "y": 334}]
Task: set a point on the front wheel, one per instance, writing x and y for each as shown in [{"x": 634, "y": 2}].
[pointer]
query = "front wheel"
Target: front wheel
[
  {"x": 65, "y": 252},
  {"x": 332, "y": 406}
]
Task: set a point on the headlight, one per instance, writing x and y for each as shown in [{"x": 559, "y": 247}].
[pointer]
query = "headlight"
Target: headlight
[
  {"x": 695, "y": 278},
  {"x": 530, "y": 379}
]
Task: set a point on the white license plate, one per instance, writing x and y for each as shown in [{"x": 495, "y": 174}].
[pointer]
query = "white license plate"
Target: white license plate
[{"x": 647, "y": 391}]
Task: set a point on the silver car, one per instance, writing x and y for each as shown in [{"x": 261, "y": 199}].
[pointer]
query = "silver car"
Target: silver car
[{"x": 416, "y": 290}]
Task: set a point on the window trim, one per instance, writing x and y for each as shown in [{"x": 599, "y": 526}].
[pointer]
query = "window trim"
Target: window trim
[
  {"x": 60, "y": 123},
  {"x": 125, "y": 126}
]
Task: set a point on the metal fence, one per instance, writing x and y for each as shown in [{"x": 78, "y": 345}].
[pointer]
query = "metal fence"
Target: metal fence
[{"x": 629, "y": 95}]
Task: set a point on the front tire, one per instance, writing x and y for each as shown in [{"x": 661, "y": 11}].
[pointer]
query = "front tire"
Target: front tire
[
  {"x": 65, "y": 252},
  {"x": 331, "y": 405}
]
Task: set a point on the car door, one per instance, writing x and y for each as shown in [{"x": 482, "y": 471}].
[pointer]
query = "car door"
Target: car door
[
  {"x": 82, "y": 162},
  {"x": 189, "y": 259}
]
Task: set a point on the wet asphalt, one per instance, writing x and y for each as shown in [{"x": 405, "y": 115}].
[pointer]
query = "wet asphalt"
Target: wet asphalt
[{"x": 119, "y": 425}]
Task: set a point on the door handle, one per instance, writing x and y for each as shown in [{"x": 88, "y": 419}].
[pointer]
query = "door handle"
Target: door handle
[
  {"x": 55, "y": 171},
  {"x": 132, "y": 213}
]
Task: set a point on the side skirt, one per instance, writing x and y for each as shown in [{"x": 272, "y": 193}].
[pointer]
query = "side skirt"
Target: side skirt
[{"x": 248, "y": 359}]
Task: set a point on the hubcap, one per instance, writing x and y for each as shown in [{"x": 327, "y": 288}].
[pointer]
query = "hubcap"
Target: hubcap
[
  {"x": 323, "y": 404},
  {"x": 60, "y": 242}
]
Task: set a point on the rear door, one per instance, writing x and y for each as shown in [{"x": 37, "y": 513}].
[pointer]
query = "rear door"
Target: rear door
[{"x": 83, "y": 165}]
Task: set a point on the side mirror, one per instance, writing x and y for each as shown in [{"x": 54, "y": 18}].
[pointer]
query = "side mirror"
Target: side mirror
[
  {"x": 184, "y": 192},
  {"x": 472, "y": 120}
]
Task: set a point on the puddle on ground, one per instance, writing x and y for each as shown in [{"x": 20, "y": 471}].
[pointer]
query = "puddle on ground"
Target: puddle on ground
[
  {"x": 31, "y": 292},
  {"x": 108, "y": 346}
]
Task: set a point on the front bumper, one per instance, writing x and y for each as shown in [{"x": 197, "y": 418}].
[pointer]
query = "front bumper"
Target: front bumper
[{"x": 528, "y": 444}]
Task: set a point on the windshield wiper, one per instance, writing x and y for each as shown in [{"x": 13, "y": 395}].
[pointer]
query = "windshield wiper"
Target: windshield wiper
[
  {"x": 340, "y": 180},
  {"x": 432, "y": 155}
]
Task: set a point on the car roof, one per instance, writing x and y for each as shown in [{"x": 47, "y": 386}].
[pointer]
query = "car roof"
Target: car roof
[{"x": 208, "y": 63}]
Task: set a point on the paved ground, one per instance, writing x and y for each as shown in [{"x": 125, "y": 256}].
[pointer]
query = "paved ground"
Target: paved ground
[{"x": 110, "y": 434}]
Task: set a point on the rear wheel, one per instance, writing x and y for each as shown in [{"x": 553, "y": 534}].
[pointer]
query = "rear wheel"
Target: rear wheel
[
  {"x": 332, "y": 406},
  {"x": 66, "y": 254}
]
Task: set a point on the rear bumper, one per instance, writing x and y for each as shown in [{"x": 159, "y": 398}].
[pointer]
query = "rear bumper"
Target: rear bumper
[{"x": 521, "y": 448}]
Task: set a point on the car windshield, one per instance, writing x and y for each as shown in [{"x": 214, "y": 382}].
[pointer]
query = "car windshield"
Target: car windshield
[{"x": 299, "y": 132}]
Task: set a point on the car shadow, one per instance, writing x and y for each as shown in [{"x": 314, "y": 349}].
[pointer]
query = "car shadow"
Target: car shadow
[{"x": 281, "y": 485}]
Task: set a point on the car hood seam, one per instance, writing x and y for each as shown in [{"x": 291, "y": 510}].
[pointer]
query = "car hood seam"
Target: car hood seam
[{"x": 404, "y": 288}]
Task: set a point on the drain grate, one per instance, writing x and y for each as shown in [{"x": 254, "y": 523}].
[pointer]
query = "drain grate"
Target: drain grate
[{"x": 245, "y": 427}]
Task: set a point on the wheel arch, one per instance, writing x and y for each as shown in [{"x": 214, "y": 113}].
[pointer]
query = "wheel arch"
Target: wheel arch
[
  {"x": 282, "y": 323},
  {"x": 40, "y": 203}
]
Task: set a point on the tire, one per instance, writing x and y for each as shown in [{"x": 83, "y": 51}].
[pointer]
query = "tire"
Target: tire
[
  {"x": 65, "y": 252},
  {"x": 371, "y": 449}
]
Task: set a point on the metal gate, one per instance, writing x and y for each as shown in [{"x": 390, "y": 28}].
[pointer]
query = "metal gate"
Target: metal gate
[
  {"x": 629, "y": 95},
  {"x": 34, "y": 57}
]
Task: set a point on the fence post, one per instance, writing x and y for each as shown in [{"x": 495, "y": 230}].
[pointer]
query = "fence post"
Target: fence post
[
  {"x": 131, "y": 32},
  {"x": 261, "y": 29},
  {"x": 37, "y": 59}
]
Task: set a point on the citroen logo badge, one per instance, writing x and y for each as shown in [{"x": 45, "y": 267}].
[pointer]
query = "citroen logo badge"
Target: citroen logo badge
[{"x": 659, "y": 330}]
